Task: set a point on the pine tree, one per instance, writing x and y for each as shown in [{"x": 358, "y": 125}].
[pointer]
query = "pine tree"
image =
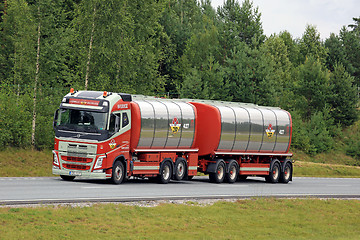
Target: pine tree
[{"x": 343, "y": 96}]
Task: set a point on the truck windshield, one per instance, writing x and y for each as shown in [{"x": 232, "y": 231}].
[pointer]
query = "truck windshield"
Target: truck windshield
[{"x": 81, "y": 121}]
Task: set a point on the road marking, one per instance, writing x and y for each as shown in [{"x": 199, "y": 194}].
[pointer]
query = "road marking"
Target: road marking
[
  {"x": 231, "y": 185},
  {"x": 100, "y": 187},
  {"x": 338, "y": 185}
]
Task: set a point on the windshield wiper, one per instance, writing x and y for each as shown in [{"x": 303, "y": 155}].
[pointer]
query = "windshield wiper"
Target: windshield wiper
[
  {"x": 91, "y": 129},
  {"x": 66, "y": 127}
]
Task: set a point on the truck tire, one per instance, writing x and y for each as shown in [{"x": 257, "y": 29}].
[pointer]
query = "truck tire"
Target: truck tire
[
  {"x": 274, "y": 173},
  {"x": 118, "y": 173},
  {"x": 219, "y": 174},
  {"x": 286, "y": 175},
  {"x": 180, "y": 169},
  {"x": 232, "y": 172},
  {"x": 67, "y": 178},
  {"x": 165, "y": 173}
]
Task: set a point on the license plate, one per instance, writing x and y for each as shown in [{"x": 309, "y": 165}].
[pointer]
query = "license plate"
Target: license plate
[{"x": 74, "y": 173}]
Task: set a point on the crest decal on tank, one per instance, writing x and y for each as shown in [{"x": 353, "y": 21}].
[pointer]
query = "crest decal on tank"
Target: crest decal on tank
[
  {"x": 270, "y": 131},
  {"x": 175, "y": 125}
]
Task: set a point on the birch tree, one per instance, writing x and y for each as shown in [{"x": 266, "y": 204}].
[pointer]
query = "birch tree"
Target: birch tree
[{"x": 36, "y": 80}]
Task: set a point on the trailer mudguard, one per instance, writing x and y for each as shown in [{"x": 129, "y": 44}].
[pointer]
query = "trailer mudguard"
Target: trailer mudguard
[{"x": 211, "y": 168}]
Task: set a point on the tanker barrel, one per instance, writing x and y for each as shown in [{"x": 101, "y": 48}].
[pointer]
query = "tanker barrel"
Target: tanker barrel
[{"x": 165, "y": 124}]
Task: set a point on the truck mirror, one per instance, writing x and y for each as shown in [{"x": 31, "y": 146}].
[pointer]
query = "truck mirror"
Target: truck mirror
[{"x": 55, "y": 118}]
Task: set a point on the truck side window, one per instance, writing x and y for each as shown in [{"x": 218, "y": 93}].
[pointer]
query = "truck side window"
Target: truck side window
[
  {"x": 125, "y": 120},
  {"x": 114, "y": 123}
]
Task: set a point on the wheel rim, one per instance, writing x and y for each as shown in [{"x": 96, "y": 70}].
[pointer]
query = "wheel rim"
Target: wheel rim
[
  {"x": 220, "y": 172},
  {"x": 276, "y": 172},
  {"x": 118, "y": 173},
  {"x": 166, "y": 172},
  {"x": 232, "y": 172},
  {"x": 287, "y": 172},
  {"x": 180, "y": 169}
]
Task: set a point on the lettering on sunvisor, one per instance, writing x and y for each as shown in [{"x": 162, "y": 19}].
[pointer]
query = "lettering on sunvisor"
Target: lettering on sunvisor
[{"x": 83, "y": 102}]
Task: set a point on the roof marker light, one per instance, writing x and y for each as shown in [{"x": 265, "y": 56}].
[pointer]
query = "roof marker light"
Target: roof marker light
[
  {"x": 72, "y": 91},
  {"x": 105, "y": 94}
]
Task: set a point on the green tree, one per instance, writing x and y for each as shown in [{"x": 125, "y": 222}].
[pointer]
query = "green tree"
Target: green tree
[
  {"x": 343, "y": 96},
  {"x": 15, "y": 120},
  {"x": 351, "y": 45},
  {"x": 18, "y": 44},
  {"x": 248, "y": 76},
  {"x": 292, "y": 47},
  {"x": 239, "y": 23},
  {"x": 319, "y": 132},
  {"x": 119, "y": 45},
  {"x": 207, "y": 83},
  {"x": 336, "y": 52},
  {"x": 180, "y": 20},
  {"x": 281, "y": 72},
  {"x": 313, "y": 87},
  {"x": 199, "y": 60},
  {"x": 311, "y": 45}
]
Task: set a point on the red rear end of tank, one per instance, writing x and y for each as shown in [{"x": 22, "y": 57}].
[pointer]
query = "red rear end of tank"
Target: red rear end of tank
[{"x": 208, "y": 128}]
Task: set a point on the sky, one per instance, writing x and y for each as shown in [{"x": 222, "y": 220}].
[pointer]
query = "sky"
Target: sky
[{"x": 329, "y": 16}]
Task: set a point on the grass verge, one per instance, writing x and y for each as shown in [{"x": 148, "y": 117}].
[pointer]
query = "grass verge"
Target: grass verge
[
  {"x": 244, "y": 219},
  {"x": 311, "y": 169},
  {"x": 25, "y": 163}
]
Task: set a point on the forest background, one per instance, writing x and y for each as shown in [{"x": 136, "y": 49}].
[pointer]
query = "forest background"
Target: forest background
[{"x": 175, "y": 49}]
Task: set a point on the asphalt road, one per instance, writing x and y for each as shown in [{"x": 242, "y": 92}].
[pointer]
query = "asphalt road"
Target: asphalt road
[{"x": 55, "y": 190}]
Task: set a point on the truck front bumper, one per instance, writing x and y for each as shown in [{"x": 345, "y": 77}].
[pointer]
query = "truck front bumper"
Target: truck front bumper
[{"x": 82, "y": 174}]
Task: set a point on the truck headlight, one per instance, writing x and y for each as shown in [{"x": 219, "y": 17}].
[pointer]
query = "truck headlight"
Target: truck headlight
[
  {"x": 55, "y": 160},
  {"x": 99, "y": 162}
]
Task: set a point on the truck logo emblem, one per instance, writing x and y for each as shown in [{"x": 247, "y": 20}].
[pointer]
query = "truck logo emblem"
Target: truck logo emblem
[
  {"x": 112, "y": 144},
  {"x": 175, "y": 125},
  {"x": 270, "y": 131}
]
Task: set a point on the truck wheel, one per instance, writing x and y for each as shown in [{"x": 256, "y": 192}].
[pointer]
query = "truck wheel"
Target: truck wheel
[
  {"x": 165, "y": 173},
  {"x": 233, "y": 173},
  {"x": 118, "y": 174},
  {"x": 274, "y": 173},
  {"x": 286, "y": 175},
  {"x": 67, "y": 178},
  {"x": 219, "y": 174}
]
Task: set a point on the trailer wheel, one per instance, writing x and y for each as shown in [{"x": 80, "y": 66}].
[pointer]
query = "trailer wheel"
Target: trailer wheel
[
  {"x": 67, "y": 178},
  {"x": 233, "y": 172},
  {"x": 180, "y": 170},
  {"x": 274, "y": 173},
  {"x": 219, "y": 174},
  {"x": 286, "y": 175},
  {"x": 118, "y": 174},
  {"x": 165, "y": 173}
]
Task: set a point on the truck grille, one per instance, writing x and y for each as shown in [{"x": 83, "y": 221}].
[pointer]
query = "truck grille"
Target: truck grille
[
  {"x": 76, "y": 167},
  {"x": 76, "y": 159}
]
